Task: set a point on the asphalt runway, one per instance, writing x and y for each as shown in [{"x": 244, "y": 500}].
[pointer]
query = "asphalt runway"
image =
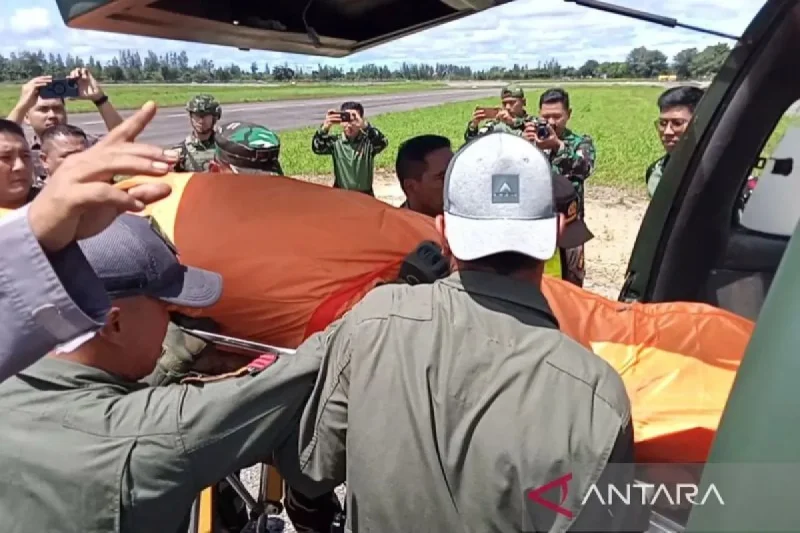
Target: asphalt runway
[{"x": 171, "y": 124}]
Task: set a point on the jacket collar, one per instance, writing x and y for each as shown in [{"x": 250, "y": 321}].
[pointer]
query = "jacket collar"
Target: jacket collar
[{"x": 503, "y": 288}]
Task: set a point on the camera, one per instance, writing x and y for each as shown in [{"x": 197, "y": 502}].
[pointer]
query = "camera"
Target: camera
[
  {"x": 345, "y": 116},
  {"x": 542, "y": 129},
  {"x": 60, "y": 89}
]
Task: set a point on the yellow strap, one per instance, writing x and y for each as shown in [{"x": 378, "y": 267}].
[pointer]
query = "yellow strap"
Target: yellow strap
[
  {"x": 164, "y": 211},
  {"x": 553, "y": 265},
  {"x": 205, "y": 524}
]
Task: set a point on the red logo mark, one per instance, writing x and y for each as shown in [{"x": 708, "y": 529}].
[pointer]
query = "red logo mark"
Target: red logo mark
[{"x": 535, "y": 495}]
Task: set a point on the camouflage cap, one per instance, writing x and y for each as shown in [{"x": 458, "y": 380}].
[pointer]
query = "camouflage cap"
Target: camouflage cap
[
  {"x": 512, "y": 91},
  {"x": 248, "y": 145},
  {"x": 204, "y": 104}
]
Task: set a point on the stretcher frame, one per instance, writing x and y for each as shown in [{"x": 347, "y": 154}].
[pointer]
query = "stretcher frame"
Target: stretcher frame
[{"x": 269, "y": 500}]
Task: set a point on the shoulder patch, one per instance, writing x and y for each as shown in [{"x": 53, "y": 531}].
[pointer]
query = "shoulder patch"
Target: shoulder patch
[{"x": 254, "y": 367}]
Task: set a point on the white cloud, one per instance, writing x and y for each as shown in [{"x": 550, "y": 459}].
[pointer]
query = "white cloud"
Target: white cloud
[
  {"x": 523, "y": 31},
  {"x": 28, "y": 20}
]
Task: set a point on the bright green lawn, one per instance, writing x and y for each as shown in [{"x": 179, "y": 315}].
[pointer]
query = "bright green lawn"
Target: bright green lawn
[{"x": 619, "y": 119}]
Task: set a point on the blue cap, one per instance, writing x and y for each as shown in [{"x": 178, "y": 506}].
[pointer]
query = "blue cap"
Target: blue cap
[{"x": 131, "y": 259}]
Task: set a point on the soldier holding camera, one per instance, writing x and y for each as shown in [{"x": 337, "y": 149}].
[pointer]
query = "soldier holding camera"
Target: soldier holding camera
[
  {"x": 510, "y": 118},
  {"x": 42, "y": 105},
  {"x": 354, "y": 150},
  {"x": 571, "y": 155}
]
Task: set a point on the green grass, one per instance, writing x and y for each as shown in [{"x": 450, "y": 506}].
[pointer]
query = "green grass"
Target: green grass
[
  {"x": 134, "y": 95},
  {"x": 619, "y": 119}
]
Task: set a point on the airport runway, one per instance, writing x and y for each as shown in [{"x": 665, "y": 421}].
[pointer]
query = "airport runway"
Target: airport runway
[{"x": 171, "y": 124}]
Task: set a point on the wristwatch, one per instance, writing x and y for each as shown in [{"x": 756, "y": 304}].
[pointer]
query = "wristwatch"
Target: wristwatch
[{"x": 100, "y": 101}]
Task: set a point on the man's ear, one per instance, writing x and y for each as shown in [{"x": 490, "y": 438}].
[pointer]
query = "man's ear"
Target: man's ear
[
  {"x": 43, "y": 159},
  {"x": 113, "y": 326},
  {"x": 439, "y": 222},
  {"x": 562, "y": 223},
  {"x": 27, "y": 120},
  {"x": 569, "y": 113}
]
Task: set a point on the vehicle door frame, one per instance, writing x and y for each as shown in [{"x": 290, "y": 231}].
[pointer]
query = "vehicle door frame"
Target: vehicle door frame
[{"x": 686, "y": 227}]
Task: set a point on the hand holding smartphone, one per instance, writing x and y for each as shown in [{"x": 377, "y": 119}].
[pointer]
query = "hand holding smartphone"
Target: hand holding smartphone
[{"x": 64, "y": 88}]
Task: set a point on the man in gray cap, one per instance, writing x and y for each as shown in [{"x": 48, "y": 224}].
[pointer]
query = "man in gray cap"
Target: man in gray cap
[
  {"x": 86, "y": 447},
  {"x": 446, "y": 405}
]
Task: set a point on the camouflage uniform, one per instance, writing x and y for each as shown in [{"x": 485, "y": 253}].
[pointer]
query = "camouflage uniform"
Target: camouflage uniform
[
  {"x": 493, "y": 125},
  {"x": 576, "y": 163},
  {"x": 196, "y": 154},
  {"x": 652, "y": 176}
]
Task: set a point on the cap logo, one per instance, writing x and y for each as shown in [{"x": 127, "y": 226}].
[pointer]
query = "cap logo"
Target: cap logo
[{"x": 505, "y": 188}]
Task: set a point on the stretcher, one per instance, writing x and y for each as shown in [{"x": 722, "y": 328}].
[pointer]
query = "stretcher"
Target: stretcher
[
  {"x": 296, "y": 256},
  {"x": 269, "y": 499}
]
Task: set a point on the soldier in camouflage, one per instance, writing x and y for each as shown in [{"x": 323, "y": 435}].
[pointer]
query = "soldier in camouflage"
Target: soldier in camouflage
[
  {"x": 571, "y": 155},
  {"x": 246, "y": 148},
  {"x": 512, "y": 118},
  {"x": 197, "y": 150}
]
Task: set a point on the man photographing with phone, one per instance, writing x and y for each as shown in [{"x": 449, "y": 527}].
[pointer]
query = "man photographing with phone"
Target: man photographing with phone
[
  {"x": 354, "y": 150},
  {"x": 42, "y": 105},
  {"x": 510, "y": 118}
]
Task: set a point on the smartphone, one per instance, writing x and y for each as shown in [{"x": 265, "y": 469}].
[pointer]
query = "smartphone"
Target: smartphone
[
  {"x": 60, "y": 89},
  {"x": 491, "y": 112},
  {"x": 345, "y": 116}
]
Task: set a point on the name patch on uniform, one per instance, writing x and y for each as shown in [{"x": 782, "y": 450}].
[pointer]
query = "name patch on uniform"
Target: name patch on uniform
[{"x": 505, "y": 188}]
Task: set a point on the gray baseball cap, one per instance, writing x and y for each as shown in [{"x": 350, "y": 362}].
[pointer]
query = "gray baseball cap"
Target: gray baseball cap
[
  {"x": 131, "y": 259},
  {"x": 498, "y": 197}
]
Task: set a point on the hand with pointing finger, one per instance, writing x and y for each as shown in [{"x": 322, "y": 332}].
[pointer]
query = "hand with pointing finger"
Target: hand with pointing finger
[{"x": 80, "y": 201}]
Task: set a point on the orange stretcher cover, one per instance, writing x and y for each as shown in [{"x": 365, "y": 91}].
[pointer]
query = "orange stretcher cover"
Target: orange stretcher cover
[
  {"x": 295, "y": 256},
  {"x": 677, "y": 360}
]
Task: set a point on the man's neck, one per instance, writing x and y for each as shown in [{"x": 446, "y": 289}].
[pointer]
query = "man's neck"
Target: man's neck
[
  {"x": 14, "y": 204},
  {"x": 202, "y": 137},
  {"x": 95, "y": 354},
  {"x": 528, "y": 275}
]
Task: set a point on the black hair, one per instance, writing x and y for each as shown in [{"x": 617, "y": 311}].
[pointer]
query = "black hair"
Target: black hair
[
  {"x": 506, "y": 263},
  {"x": 65, "y": 130},
  {"x": 412, "y": 153},
  {"x": 683, "y": 96},
  {"x": 555, "y": 96},
  {"x": 9, "y": 126},
  {"x": 354, "y": 106}
]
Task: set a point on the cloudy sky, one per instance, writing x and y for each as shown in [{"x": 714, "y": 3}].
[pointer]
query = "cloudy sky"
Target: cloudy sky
[{"x": 541, "y": 30}]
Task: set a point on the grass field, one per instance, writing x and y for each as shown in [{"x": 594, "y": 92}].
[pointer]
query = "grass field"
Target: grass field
[
  {"x": 619, "y": 119},
  {"x": 133, "y": 96}
]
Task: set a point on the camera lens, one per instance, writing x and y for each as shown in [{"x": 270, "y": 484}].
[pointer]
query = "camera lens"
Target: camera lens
[{"x": 59, "y": 89}]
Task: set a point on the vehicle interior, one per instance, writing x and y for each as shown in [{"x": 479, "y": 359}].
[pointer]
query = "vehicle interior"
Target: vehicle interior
[{"x": 697, "y": 242}]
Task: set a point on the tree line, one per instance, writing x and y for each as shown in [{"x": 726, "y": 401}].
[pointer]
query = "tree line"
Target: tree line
[{"x": 130, "y": 66}]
